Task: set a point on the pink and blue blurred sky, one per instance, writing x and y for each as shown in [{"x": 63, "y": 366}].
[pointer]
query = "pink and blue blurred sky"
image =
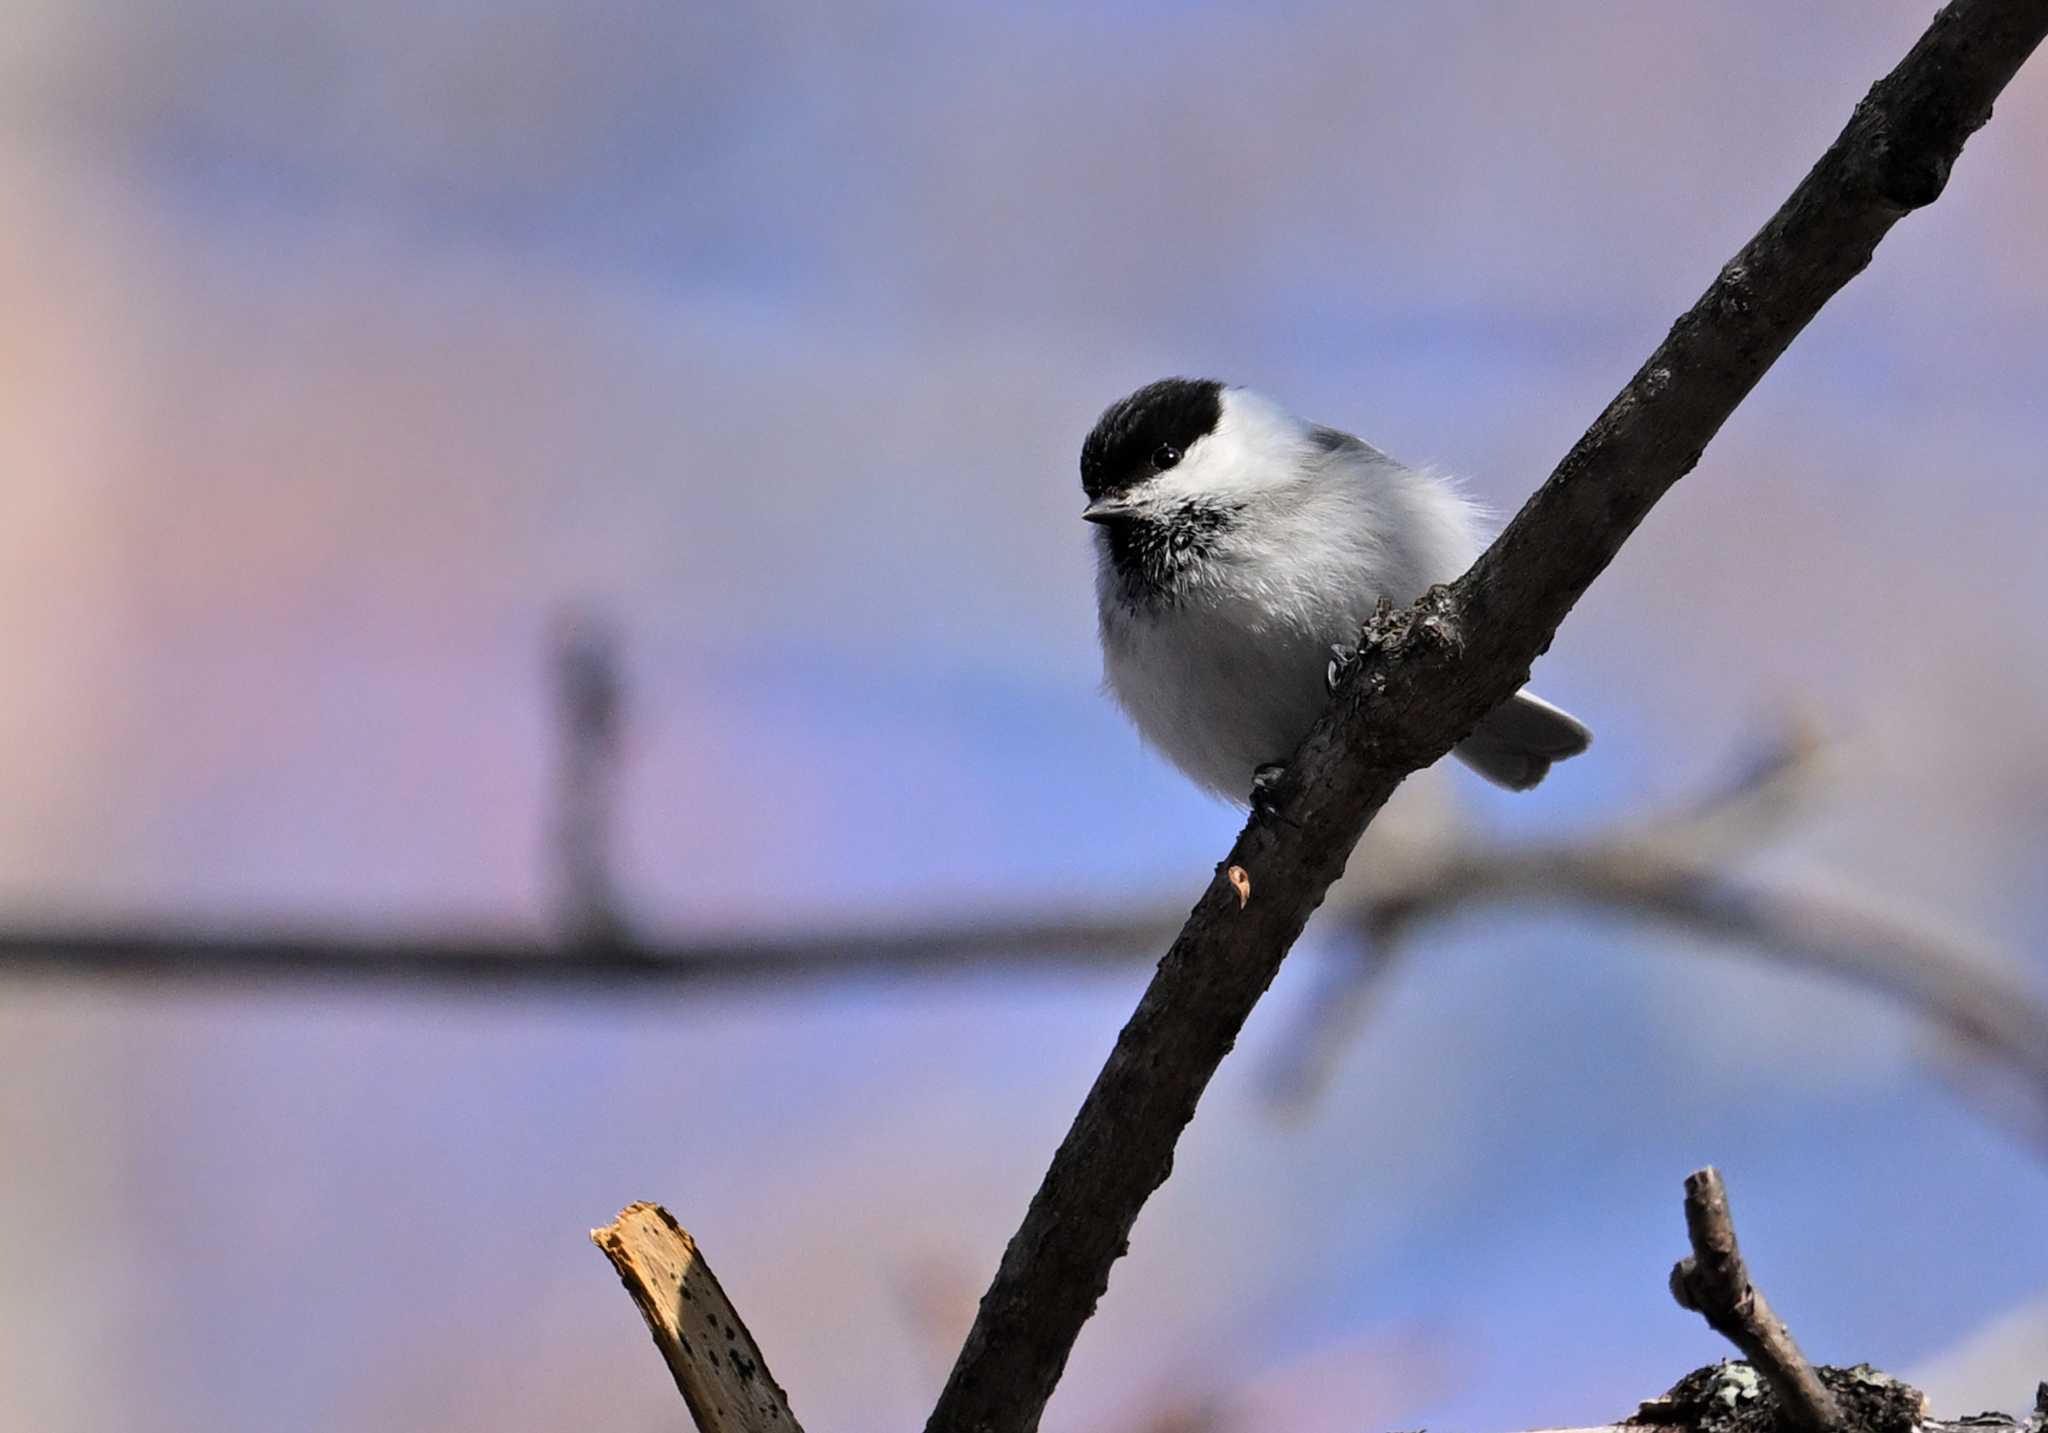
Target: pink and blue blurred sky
[{"x": 340, "y": 346}]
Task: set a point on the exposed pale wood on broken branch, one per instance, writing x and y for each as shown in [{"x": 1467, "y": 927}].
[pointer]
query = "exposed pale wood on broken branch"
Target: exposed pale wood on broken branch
[{"x": 720, "y": 1370}]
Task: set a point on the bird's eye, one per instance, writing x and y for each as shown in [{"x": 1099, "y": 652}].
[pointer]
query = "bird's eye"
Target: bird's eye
[{"x": 1165, "y": 456}]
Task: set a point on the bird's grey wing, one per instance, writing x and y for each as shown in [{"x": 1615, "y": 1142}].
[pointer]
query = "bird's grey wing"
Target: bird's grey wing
[{"x": 1336, "y": 442}]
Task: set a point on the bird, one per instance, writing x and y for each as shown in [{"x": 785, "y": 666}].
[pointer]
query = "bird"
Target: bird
[{"x": 1239, "y": 551}]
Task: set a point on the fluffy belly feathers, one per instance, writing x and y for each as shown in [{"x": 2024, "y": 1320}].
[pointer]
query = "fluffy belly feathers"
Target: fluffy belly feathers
[{"x": 1217, "y": 697}]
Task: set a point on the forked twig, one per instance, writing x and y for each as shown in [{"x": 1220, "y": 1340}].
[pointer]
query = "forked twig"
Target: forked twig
[{"x": 1714, "y": 1283}]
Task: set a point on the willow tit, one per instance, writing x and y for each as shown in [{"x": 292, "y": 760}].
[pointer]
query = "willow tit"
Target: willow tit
[{"x": 1238, "y": 547}]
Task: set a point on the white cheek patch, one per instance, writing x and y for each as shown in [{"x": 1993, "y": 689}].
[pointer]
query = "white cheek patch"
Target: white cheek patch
[{"x": 1255, "y": 445}]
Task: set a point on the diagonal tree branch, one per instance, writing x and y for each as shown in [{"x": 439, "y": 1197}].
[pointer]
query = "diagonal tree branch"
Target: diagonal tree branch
[{"x": 1428, "y": 675}]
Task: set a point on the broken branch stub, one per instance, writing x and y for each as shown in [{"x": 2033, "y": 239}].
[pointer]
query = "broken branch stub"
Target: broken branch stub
[{"x": 716, "y": 1363}]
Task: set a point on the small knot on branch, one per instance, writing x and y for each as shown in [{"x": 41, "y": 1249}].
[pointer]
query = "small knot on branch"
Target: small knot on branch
[
  {"x": 1434, "y": 624},
  {"x": 1909, "y": 177}
]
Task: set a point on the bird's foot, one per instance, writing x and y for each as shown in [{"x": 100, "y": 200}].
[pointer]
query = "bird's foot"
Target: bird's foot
[
  {"x": 1263, "y": 781},
  {"x": 1342, "y": 660}
]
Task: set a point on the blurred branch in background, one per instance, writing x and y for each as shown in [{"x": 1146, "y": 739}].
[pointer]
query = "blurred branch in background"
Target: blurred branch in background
[
  {"x": 1673, "y": 870},
  {"x": 590, "y": 702},
  {"x": 489, "y": 962}
]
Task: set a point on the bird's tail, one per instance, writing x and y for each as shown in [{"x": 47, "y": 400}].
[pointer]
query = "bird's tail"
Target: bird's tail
[{"x": 1517, "y": 741}]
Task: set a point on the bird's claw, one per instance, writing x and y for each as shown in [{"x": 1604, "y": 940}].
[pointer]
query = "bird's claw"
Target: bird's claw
[
  {"x": 1342, "y": 660},
  {"x": 1263, "y": 782}
]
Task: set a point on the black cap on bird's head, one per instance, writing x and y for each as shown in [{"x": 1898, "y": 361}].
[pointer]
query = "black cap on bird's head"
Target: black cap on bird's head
[{"x": 1143, "y": 435}]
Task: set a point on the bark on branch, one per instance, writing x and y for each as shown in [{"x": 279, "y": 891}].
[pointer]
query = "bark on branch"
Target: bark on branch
[
  {"x": 1425, "y": 678},
  {"x": 1713, "y": 1282}
]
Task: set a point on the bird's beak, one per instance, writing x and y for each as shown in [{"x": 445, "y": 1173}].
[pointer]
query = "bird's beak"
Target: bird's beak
[{"x": 1107, "y": 510}]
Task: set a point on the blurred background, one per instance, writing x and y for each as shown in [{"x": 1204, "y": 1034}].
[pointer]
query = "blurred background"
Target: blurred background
[{"x": 344, "y": 347}]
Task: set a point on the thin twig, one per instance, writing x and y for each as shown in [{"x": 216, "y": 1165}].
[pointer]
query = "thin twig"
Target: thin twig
[
  {"x": 1670, "y": 871},
  {"x": 490, "y": 962},
  {"x": 1426, "y": 677},
  {"x": 1714, "y": 1283},
  {"x": 720, "y": 1370},
  {"x": 1667, "y": 871},
  {"x": 1378, "y": 920},
  {"x": 1927, "y": 967},
  {"x": 590, "y": 706}
]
